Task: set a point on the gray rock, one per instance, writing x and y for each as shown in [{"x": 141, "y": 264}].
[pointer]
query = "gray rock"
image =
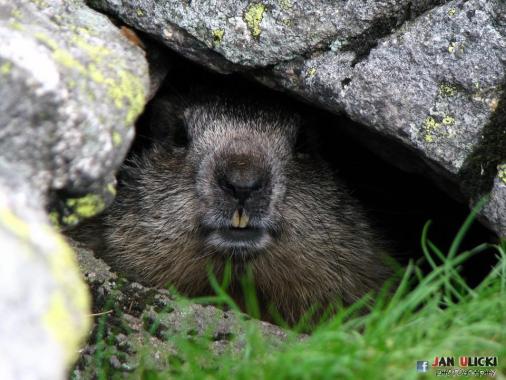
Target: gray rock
[
  {"x": 426, "y": 74},
  {"x": 43, "y": 301},
  {"x": 234, "y": 35},
  {"x": 139, "y": 328},
  {"x": 71, "y": 87}
]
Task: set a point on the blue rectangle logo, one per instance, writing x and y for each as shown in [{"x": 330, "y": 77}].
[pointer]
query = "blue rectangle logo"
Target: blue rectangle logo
[{"x": 422, "y": 366}]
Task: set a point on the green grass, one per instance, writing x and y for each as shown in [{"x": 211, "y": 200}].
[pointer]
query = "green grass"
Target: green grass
[{"x": 436, "y": 314}]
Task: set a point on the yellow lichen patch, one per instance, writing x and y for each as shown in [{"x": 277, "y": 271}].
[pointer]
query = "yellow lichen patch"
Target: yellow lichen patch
[
  {"x": 129, "y": 88},
  {"x": 96, "y": 52},
  {"x": 16, "y": 25},
  {"x": 286, "y": 21},
  {"x": 116, "y": 138},
  {"x": 285, "y": 4},
  {"x": 455, "y": 48},
  {"x": 60, "y": 55},
  {"x": 428, "y": 138},
  {"x": 218, "y": 36},
  {"x": 253, "y": 17},
  {"x": 44, "y": 38},
  {"x": 82, "y": 30},
  {"x": 126, "y": 88},
  {"x": 501, "y": 172},
  {"x": 5, "y": 68},
  {"x": 452, "y": 11},
  {"x": 111, "y": 189},
  {"x": 16, "y": 13},
  {"x": 68, "y": 60},
  {"x": 14, "y": 223},
  {"x": 70, "y": 220},
  {"x": 62, "y": 326},
  {"x": 430, "y": 128},
  {"x": 430, "y": 123},
  {"x": 447, "y": 89},
  {"x": 54, "y": 219},
  {"x": 95, "y": 74},
  {"x": 66, "y": 317},
  {"x": 448, "y": 120},
  {"x": 311, "y": 72},
  {"x": 139, "y": 12},
  {"x": 86, "y": 206},
  {"x": 64, "y": 261}
]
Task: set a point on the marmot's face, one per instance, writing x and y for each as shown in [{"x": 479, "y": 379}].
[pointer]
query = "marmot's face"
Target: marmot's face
[
  {"x": 239, "y": 159},
  {"x": 226, "y": 180}
]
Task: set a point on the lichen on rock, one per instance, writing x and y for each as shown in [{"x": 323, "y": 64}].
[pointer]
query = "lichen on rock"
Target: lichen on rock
[
  {"x": 44, "y": 303},
  {"x": 253, "y": 17},
  {"x": 71, "y": 88}
]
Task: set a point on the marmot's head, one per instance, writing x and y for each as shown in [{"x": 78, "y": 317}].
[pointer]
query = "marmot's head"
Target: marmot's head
[
  {"x": 227, "y": 178},
  {"x": 239, "y": 157}
]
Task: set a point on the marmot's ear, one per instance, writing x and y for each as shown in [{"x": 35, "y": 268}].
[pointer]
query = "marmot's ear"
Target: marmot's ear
[{"x": 164, "y": 123}]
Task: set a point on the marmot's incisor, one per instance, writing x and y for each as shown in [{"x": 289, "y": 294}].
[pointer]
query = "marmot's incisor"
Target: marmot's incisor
[{"x": 226, "y": 180}]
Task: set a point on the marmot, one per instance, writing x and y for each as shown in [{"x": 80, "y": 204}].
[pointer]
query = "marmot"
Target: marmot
[{"x": 230, "y": 179}]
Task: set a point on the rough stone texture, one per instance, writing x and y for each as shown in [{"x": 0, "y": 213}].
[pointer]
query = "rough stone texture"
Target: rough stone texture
[
  {"x": 260, "y": 33},
  {"x": 426, "y": 74},
  {"x": 137, "y": 328},
  {"x": 71, "y": 87},
  {"x": 43, "y": 301}
]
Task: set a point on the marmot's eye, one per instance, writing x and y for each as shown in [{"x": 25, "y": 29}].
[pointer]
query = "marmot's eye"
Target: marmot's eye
[{"x": 180, "y": 136}]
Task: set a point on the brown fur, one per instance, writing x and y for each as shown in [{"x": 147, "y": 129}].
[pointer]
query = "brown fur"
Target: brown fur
[{"x": 322, "y": 249}]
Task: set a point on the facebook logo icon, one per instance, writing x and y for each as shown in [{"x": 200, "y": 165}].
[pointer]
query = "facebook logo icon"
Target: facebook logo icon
[{"x": 422, "y": 366}]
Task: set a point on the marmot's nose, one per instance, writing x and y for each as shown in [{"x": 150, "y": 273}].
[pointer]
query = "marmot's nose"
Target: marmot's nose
[{"x": 242, "y": 179}]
